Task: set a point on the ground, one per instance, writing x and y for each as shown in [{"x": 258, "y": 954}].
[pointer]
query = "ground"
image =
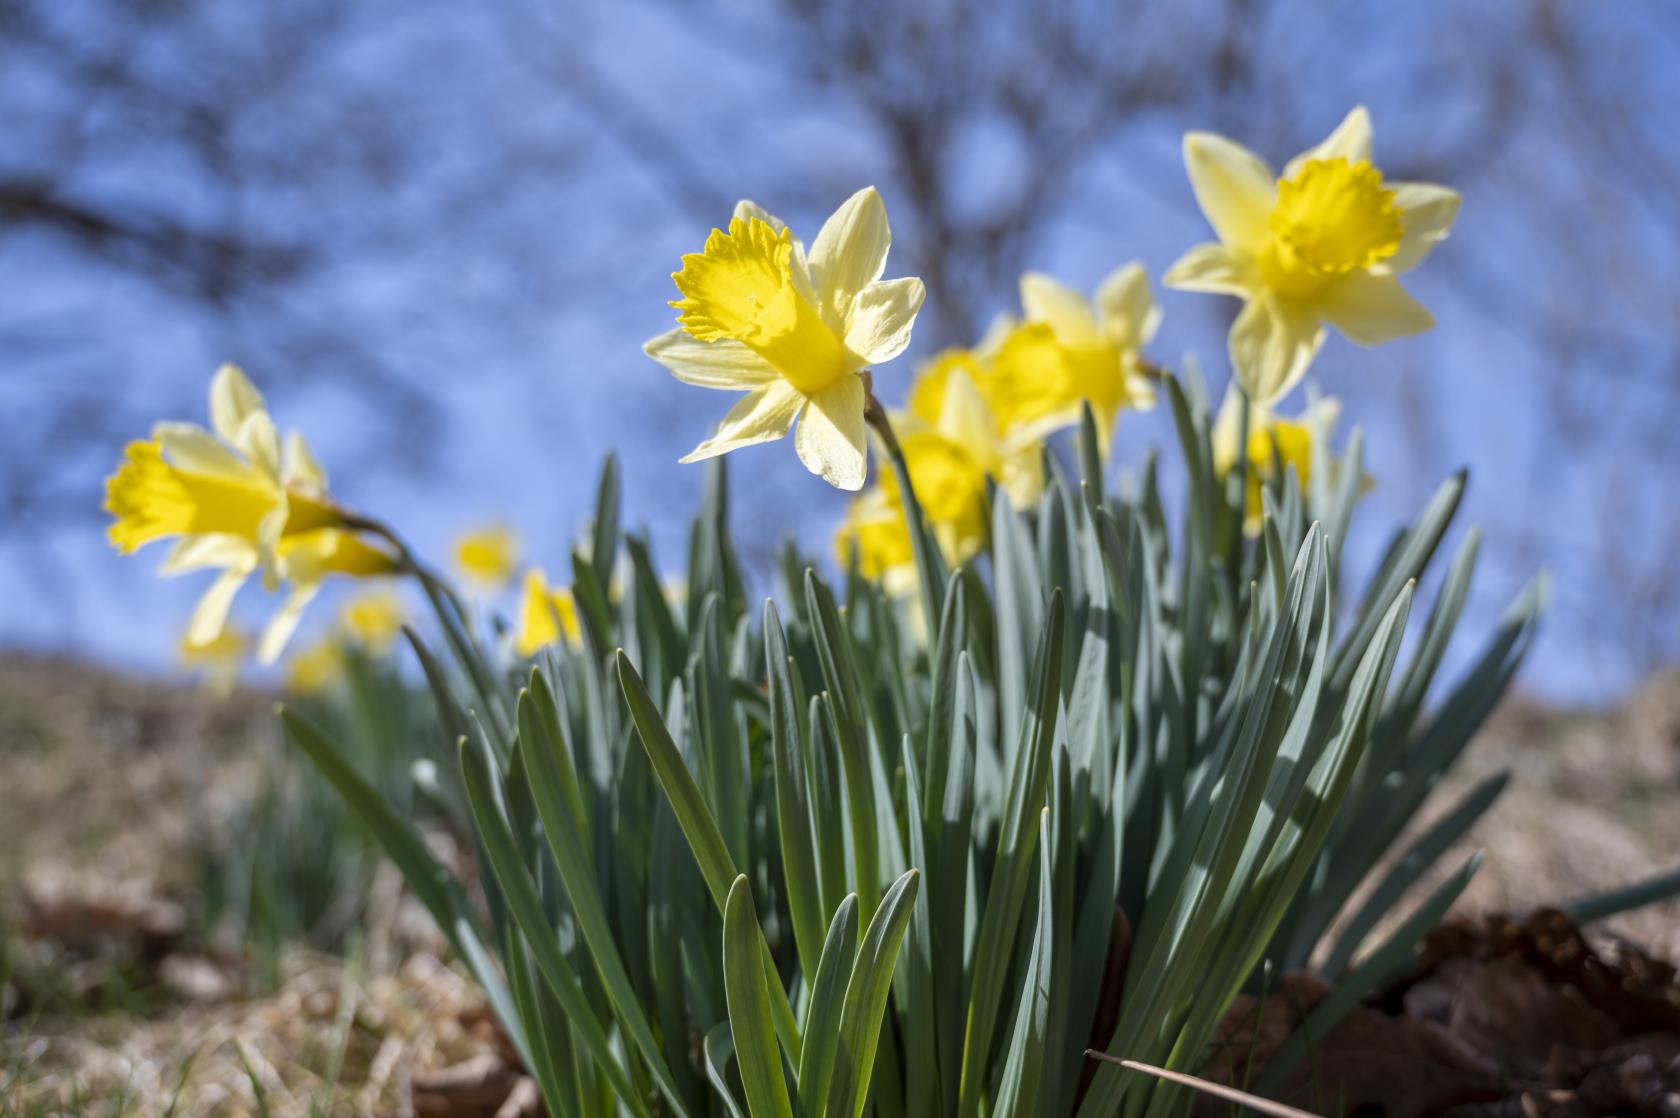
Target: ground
[{"x": 107, "y": 782}]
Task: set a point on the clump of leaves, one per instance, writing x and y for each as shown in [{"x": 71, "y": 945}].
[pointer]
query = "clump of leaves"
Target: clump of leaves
[{"x": 803, "y": 860}]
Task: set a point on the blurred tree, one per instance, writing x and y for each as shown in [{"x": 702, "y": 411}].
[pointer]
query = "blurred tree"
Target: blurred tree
[{"x": 374, "y": 197}]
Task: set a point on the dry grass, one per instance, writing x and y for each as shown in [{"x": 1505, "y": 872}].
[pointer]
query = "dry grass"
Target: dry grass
[{"x": 111, "y": 776}]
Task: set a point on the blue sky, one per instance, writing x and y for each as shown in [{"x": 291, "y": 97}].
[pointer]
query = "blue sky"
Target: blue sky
[{"x": 523, "y": 317}]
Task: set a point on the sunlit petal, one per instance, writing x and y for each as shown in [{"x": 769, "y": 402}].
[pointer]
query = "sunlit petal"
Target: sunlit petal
[
  {"x": 831, "y": 439},
  {"x": 725, "y": 363},
  {"x": 760, "y": 416}
]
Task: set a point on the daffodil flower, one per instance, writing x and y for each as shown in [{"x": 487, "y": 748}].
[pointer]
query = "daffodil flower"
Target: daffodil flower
[
  {"x": 234, "y": 501},
  {"x": 373, "y": 620},
  {"x": 1069, "y": 348},
  {"x": 488, "y": 556},
  {"x": 792, "y": 330},
  {"x": 1274, "y": 443},
  {"x": 953, "y": 397},
  {"x": 545, "y": 614},
  {"x": 1325, "y": 243},
  {"x": 875, "y": 532},
  {"x": 951, "y": 444},
  {"x": 314, "y": 669}
]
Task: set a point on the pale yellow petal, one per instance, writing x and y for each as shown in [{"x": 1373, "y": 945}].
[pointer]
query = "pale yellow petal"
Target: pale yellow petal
[
  {"x": 1272, "y": 343},
  {"x": 724, "y": 363},
  {"x": 301, "y": 465},
  {"x": 1022, "y": 475},
  {"x": 1427, "y": 213},
  {"x": 1234, "y": 187},
  {"x": 832, "y": 438},
  {"x": 1064, "y": 309},
  {"x": 1216, "y": 269},
  {"x": 260, "y": 442},
  {"x": 879, "y": 320},
  {"x": 285, "y": 623},
  {"x": 1372, "y": 309},
  {"x": 200, "y": 552},
  {"x": 1350, "y": 141},
  {"x": 1127, "y": 309},
  {"x": 964, "y": 417},
  {"x": 850, "y": 251},
  {"x": 232, "y": 399},
  {"x": 191, "y": 447},
  {"x": 760, "y": 416},
  {"x": 748, "y": 209},
  {"x": 209, "y": 616}
]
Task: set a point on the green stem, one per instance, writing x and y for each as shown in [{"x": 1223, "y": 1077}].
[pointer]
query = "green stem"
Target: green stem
[{"x": 930, "y": 564}]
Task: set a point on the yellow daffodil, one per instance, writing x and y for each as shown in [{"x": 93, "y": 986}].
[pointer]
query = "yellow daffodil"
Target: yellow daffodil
[
  {"x": 1069, "y": 348},
  {"x": 545, "y": 614},
  {"x": 373, "y": 620},
  {"x": 950, "y": 444},
  {"x": 876, "y": 531},
  {"x": 1325, "y": 243},
  {"x": 792, "y": 330},
  {"x": 315, "y": 668},
  {"x": 949, "y": 398},
  {"x": 488, "y": 556},
  {"x": 236, "y": 502},
  {"x": 952, "y": 394},
  {"x": 219, "y": 660},
  {"x": 1274, "y": 442}
]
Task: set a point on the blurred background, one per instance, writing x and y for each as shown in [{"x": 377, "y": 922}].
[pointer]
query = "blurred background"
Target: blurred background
[{"x": 436, "y": 234}]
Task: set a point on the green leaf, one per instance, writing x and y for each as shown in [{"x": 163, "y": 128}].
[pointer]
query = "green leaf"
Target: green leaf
[
  {"x": 537, "y": 933},
  {"x": 1012, "y": 872},
  {"x": 554, "y": 785},
  {"x": 1377, "y": 968},
  {"x": 719, "y": 1047},
  {"x": 824, "y": 1009},
  {"x": 749, "y": 1008},
  {"x": 793, "y": 808},
  {"x": 701, "y": 830},
  {"x": 1412, "y": 865},
  {"x": 424, "y": 875},
  {"x": 866, "y": 1000}
]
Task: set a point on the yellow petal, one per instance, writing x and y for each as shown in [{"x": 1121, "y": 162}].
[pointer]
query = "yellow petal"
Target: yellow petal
[
  {"x": 488, "y": 555},
  {"x": 745, "y": 286},
  {"x": 747, "y": 208},
  {"x": 197, "y": 553},
  {"x": 192, "y": 448},
  {"x": 801, "y": 268},
  {"x": 308, "y": 557},
  {"x": 285, "y": 623},
  {"x": 1216, "y": 269},
  {"x": 544, "y": 615},
  {"x": 760, "y": 416},
  {"x": 721, "y": 364},
  {"x": 879, "y": 320},
  {"x": 1069, "y": 315},
  {"x": 232, "y": 398},
  {"x": 1234, "y": 187},
  {"x": 1350, "y": 141},
  {"x": 301, "y": 466},
  {"x": 850, "y": 251},
  {"x": 1427, "y": 213},
  {"x": 209, "y": 616},
  {"x": 831, "y": 439},
  {"x": 1272, "y": 343},
  {"x": 1128, "y": 312},
  {"x": 375, "y": 619},
  {"x": 260, "y": 442},
  {"x": 1372, "y": 309}
]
